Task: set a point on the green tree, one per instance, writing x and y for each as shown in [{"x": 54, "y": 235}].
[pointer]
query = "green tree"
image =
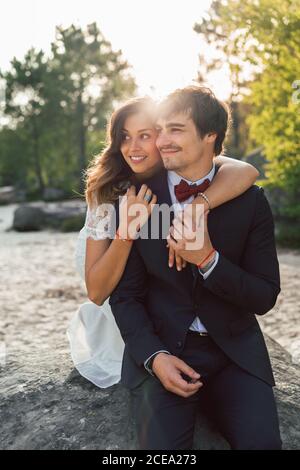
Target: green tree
[
  {"x": 57, "y": 107},
  {"x": 91, "y": 78},
  {"x": 24, "y": 104},
  {"x": 260, "y": 42}
]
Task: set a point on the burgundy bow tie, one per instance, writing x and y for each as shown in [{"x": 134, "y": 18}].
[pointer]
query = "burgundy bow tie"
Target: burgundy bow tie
[{"x": 184, "y": 190}]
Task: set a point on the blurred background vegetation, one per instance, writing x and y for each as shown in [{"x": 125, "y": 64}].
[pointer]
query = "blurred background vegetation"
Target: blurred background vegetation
[{"x": 57, "y": 106}]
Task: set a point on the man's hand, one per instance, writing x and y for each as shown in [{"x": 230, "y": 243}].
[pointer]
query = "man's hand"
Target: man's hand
[
  {"x": 190, "y": 240},
  {"x": 167, "y": 368},
  {"x": 180, "y": 263}
]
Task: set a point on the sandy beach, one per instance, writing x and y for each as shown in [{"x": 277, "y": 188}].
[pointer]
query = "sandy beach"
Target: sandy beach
[{"x": 40, "y": 290}]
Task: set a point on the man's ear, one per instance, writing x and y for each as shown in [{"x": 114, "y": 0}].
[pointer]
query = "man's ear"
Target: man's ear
[{"x": 211, "y": 137}]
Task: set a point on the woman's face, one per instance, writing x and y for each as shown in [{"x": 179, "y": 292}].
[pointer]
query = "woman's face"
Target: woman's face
[{"x": 138, "y": 144}]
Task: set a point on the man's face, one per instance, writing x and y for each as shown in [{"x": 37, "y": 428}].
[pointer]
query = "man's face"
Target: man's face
[{"x": 178, "y": 141}]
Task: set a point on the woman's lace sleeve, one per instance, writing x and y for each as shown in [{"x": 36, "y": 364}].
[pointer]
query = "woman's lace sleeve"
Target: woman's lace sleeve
[
  {"x": 99, "y": 225},
  {"x": 99, "y": 222}
]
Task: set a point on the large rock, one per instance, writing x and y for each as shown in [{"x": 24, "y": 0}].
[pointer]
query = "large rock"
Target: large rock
[
  {"x": 43, "y": 215},
  {"x": 28, "y": 218},
  {"x": 7, "y": 194},
  {"x": 55, "y": 215},
  {"x": 68, "y": 412}
]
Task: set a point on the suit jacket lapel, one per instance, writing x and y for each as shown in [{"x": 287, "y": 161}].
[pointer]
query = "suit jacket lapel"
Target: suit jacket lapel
[{"x": 159, "y": 186}]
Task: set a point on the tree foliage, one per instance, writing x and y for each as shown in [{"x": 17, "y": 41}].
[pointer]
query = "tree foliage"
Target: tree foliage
[
  {"x": 57, "y": 108},
  {"x": 260, "y": 41}
]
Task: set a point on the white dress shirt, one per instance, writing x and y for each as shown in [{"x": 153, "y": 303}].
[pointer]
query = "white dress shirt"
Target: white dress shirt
[{"x": 173, "y": 179}]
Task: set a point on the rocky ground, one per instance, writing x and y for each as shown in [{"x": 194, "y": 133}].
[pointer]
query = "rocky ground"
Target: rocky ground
[{"x": 39, "y": 293}]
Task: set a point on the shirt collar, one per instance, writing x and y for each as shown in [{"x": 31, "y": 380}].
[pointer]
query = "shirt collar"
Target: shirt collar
[{"x": 174, "y": 178}]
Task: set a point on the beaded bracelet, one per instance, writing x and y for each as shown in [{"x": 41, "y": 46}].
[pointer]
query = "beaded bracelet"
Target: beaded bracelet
[{"x": 205, "y": 198}]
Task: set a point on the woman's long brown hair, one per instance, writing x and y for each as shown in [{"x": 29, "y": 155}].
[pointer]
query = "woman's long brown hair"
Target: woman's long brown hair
[{"x": 108, "y": 172}]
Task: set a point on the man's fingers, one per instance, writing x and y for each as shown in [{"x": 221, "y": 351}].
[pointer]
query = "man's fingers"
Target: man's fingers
[
  {"x": 173, "y": 380},
  {"x": 174, "y": 255},
  {"x": 178, "y": 381},
  {"x": 187, "y": 370},
  {"x": 181, "y": 387},
  {"x": 180, "y": 262}
]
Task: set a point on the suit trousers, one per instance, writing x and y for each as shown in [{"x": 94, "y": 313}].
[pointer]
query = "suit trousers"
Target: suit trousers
[{"x": 241, "y": 406}]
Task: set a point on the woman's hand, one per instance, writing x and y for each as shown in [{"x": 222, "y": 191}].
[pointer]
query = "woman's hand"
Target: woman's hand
[
  {"x": 197, "y": 209},
  {"x": 135, "y": 210}
]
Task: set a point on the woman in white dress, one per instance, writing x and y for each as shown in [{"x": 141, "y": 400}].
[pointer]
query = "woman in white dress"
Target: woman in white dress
[{"x": 131, "y": 156}]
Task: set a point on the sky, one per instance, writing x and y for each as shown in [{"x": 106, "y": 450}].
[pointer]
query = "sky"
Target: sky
[{"x": 155, "y": 36}]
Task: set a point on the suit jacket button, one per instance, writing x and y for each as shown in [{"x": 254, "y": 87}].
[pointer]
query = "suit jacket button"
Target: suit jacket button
[{"x": 179, "y": 344}]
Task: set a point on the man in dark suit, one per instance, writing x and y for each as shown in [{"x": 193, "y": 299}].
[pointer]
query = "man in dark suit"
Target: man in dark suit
[{"x": 191, "y": 336}]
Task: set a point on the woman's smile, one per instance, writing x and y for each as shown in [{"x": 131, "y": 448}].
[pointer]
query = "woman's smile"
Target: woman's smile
[{"x": 138, "y": 158}]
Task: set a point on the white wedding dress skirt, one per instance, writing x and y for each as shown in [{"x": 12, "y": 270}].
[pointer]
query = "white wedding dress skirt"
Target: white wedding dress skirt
[{"x": 95, "y": 340}]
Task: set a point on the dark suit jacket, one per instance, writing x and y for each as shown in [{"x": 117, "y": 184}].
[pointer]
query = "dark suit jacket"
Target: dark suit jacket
[{"x": 154, "y": 305}]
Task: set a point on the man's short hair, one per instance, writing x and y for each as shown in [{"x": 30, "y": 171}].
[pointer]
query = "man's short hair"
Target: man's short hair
[{"x": 207, "y": 112}]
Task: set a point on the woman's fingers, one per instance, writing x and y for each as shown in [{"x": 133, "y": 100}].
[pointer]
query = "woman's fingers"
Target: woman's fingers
[
  {"x": 144, "y": 195},
  {"x": 148, "y": 197},
  {"x": 131, "y": 191},
  {"x": 141, "y": 194},
  {"x": 177, "y": 236},
  {"x": 153, "y": 202},
  {"x": 171, "y": 257},
  {"x": 182, "y": 219}
]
